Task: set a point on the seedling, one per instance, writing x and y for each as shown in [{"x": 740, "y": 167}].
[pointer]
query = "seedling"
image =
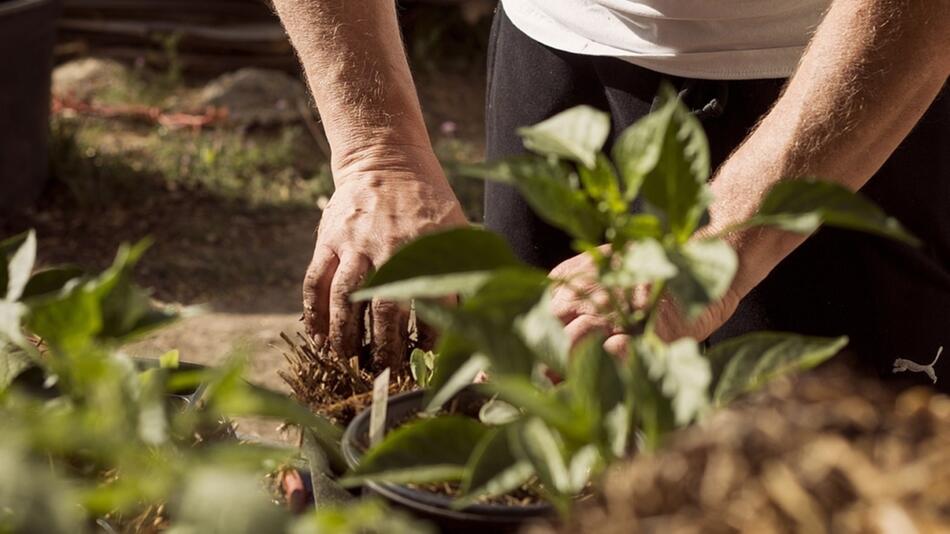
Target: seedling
[{"x": 566, "y": 433}]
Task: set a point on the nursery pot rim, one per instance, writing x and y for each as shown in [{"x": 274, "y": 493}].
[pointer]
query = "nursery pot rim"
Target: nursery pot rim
[{"x": 430, "y": 502}]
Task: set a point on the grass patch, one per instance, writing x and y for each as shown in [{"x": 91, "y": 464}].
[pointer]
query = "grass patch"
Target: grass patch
[{"x": 102, "y": 164}]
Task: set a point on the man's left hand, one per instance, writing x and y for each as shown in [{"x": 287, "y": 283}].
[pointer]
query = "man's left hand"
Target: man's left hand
[{"x": 584, "y": 308}]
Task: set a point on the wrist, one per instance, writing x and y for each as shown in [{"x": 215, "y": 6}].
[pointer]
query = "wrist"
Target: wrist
[
  {"x": 354, "y": 146},
  {"x": 395, "y": 160}
]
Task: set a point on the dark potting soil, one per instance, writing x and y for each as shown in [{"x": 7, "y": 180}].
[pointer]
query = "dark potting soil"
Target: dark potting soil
[{"x": 526, "y": 495}]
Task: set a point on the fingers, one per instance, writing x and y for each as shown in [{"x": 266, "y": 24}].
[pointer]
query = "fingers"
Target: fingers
[
  {"x": 586, "y": 325},
  {"x": 576, "y": 292},
  {"x": 617, "y": 345},
  {"x": 568, "y": 303},
  {"x": 346, "y": 317},
  {"x": 427, "y": 336},
  {"x": 316, "y": 293},
  {"x": 390, "y": 330}
]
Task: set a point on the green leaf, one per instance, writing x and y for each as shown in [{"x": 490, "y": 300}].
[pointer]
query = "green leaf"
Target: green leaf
[
  {"x": 108, "y": 307},
  {"x": 11, "y": 317},
  {"x": 521, "y": 393},
  {"x": 705, "y": 272},
  {"x": 747, "y": 362},
  {"x": 497, "y": 412},
  {"x": 363, "y": 516},
  {"x": 602, "y": 185},
  {"x": 456, "y": 367},
  {"x": 493, "y": 469},
  {"x": 152, "y": 419},
  {"x": 421, "y": 364},
  {"x": 642, "y": 262},
  {"x": 633, "y": 227},
  {"x": 220, "y": 500},
  {"x": 508, "y": 294},
  {"x": 802, "y": 205},
  {"x": 8, "y": 248},
  {"x": 546, "y": 186},
  {"x": 255, "y": 400},
  {"x": 638, "y": 149},
  {"x": 540, "y": 446},
  {"x": 49, "y": 281},
  {"x": 126, "y": 309},
  {"x": 617, "y": 424},
  {"x": 66, "y": 320},
  {"x": 326, "y": 490},
  {"x": 506, "y": 352},
  {"x": 484, "y": 320},
  {"x": 421, "y": 451},
  {"x": 33, "y": 497},
  {"x": 426, "y": 287},
  {"x": 13, "y": 361},
  {"x": 440, "y": 263},
  {"x": 684, "y": 375},
  {"x": 230, "y": 395},
  {"x": 19, "y": 267},
  {"x": 652, "y": 409},
  {"x": 671, "y": 161},
  {"x": 583, "y": 464},
  {"x": 594, "y": 381},
  {"x": 544, "y": 334},
  {"x": 169, "y": 360},
  {"x": 576, "y": 134}
]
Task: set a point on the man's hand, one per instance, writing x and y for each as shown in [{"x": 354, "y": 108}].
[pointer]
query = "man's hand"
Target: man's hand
[
  {"x": 578, "y": 301},
  {"x": 389, "y": 186},
  {"x": 582, "y": 305},
  {"x": 871, "y": 70},
  {"x": 375, "y": 209}
]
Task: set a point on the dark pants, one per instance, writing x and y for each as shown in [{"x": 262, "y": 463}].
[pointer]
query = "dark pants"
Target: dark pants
[{"x": 891, "y": 300}]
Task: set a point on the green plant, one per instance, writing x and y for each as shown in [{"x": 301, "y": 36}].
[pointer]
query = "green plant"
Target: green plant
[
  {"x": 564, "y": 434},
  {"x": 91, "y": 435}
]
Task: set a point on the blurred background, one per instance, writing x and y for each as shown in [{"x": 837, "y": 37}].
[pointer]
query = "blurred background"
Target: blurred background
[{"x": 188, "y": 121}]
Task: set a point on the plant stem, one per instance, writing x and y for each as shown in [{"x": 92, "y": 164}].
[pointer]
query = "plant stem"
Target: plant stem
[{"x": 656, "y": 290}]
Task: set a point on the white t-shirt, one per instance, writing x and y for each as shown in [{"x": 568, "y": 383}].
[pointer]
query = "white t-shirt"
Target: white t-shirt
[{"x": 710, "y": 39}]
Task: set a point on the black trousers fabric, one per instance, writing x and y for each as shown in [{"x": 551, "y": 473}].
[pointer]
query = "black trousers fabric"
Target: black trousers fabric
[{"x": 893, "y": 301}]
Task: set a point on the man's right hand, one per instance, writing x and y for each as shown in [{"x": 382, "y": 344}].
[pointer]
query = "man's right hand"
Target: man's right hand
[{"x": 382, "y": 200}]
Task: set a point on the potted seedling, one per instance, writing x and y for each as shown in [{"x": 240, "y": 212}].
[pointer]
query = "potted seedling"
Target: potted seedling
[
  {"x": 553, "y": 418},
  {"x": 437, "y": 501}
]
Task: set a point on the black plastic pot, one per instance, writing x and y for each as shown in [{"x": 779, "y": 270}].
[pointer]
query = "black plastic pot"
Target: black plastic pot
[
  {"x": 432, "y": 506},
  {"x": 27, "y": 36}
]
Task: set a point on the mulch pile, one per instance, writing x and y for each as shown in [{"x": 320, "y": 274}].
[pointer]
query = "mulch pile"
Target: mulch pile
[{"x": 828, "y": 451}]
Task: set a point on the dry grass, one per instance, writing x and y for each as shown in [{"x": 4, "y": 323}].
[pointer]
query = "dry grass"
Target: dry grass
[
  {"x": 828, "y": 452},
  {"x": 333, "y": 386}
]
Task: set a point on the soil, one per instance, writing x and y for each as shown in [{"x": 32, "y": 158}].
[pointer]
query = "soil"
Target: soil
[
  {"x": 831, "y": 451},
  {"x": 526, "y": 495}
]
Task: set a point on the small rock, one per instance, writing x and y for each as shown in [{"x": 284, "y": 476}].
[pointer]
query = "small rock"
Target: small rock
[
  {"x": 87, "y": 78},
  {"x": 256, "y": 96}
]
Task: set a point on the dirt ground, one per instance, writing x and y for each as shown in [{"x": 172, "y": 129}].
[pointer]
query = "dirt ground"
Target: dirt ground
[{"x": 239, "y": 251}]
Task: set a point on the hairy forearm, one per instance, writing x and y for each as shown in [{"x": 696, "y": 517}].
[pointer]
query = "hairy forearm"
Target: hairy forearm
[
  {"x": 354, "y": 61},
  {"x": 870, "y": 72}
]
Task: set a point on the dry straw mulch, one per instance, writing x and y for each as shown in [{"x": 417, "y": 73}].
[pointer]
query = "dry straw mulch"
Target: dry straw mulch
[
  {"x": 829, "y": 451},
  {"x": 330, "y": 385}
]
